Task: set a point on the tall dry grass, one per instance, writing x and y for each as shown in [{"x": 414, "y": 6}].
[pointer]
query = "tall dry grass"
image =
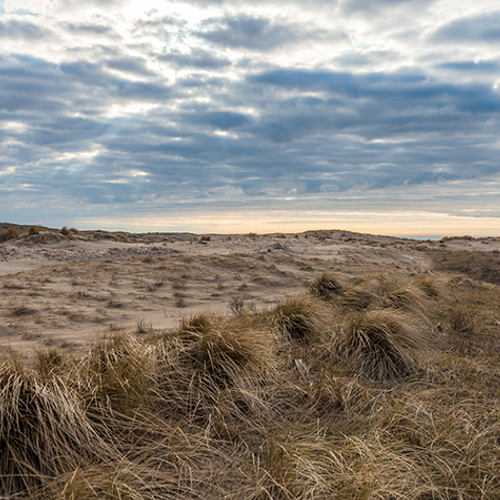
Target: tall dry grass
[
  {"x": 44, "y": 430},
  {"x": 310, "y": 399}
]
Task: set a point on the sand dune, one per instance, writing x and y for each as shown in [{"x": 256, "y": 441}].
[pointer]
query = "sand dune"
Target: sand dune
[{"x": 65, "y": 290}]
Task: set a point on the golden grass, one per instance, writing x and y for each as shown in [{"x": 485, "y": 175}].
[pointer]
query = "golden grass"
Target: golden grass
[
  {"x": 311, "y": 399},
  {"x": 380, "y": 345}
]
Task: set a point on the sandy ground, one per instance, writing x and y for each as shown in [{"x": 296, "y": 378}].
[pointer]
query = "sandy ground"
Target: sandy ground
[{"x": 65, "y": 291}]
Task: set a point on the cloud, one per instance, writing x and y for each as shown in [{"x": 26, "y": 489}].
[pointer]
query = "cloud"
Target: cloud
[
  {"x": 252, "y": 32},
  {"x": 482, "y": 28},
  {"x": 92, "y": 29},
  {"x": 400, "y": 90},
  {"x": 357, "y": 6},
  {"x": 20, "y": 28},
  {"x": 471, "y": 66},
  {"x": 264, "y": 106},
  {"x": 196, "y": 58}
]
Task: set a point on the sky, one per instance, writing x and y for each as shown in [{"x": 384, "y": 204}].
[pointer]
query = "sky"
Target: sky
[{"x": 377, "y": 116}]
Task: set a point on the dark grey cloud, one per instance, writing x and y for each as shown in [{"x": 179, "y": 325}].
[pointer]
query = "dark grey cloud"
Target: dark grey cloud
[
  {"x": 356, "y": 6},
  {"x": 90, "y": 29},
  {"x": 131, "y": 65},
  {"x": 484, "y": 28},
  {"x": 403, "y": 89},
  {"x": 12, "y": 28},
  {"x": 471, "y": 66},
  {"x": 252, "y": 32},
  {"x": 145, "y": 114}
]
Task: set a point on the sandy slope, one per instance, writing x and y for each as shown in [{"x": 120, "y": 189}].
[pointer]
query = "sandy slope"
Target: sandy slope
[{"x": 64, "y": 291}]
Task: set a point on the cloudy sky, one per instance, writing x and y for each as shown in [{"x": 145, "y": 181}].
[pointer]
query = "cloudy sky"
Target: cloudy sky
[{"x": 278, "y": 115}]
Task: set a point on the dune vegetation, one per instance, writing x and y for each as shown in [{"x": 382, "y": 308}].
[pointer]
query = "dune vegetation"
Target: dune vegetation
[{"x": 383, "y": 387}]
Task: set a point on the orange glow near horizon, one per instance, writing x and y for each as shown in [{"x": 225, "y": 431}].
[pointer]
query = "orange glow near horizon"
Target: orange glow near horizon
[{"x": 416, "y": 224}]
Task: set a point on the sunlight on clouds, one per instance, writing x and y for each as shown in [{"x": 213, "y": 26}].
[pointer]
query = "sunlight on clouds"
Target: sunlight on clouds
[
  {"x": 80, "y": 155},
  {"x": 191, "y": 13},
  {"x": 14, "y": 126},
  {"x": 131, "y": 108},
  {"x": 8, "y": 171}
]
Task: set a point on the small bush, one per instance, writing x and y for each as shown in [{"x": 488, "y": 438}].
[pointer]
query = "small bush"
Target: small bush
[
  {"x": 326, "y": 287},
  {"x": 10, "y": 234},
  {"x": 236, "y": 305},
  {"x": 380, "y": 345},
  {"x": 68, "y": 232},
  {"x": 35, "y": 230},
  {"x": 301, "y": 319}
]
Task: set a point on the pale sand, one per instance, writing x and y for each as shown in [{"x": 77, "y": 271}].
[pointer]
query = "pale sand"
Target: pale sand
[{"x": 66, "y": 291}]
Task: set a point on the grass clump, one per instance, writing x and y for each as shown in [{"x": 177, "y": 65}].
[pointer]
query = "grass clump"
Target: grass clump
[
  {"x": 35, "y": 230},
  {"x": 380, "y": 345},
  {"x": 44, "y": 430},
  {"x": 11, "y": 234},
  {"x": 116, "y": 374},
  {"x": 325, "y": 287},
  {"x": 227, "y": 345},
  {"x": 302, "y": 319}
]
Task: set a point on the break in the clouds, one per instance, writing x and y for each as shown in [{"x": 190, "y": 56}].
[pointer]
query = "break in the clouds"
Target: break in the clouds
[{"x": 251, "y": 115}]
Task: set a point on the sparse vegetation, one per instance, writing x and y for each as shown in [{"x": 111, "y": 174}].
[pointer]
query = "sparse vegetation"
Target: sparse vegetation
[
  {"x": 35, "y": 229},
  {"x": 9, "y": 234},
  {"x": 326, "y": 287},
  {"x": 365, "y": 386},
  {"x": 68, "y": 232},
  {"x": 380, "y": 345},
  {"x": 481, "y": 266}
]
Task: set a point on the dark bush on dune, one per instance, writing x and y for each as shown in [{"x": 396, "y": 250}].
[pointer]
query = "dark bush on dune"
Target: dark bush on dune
[
  {"x": 10, "y": 234},
  {"x": 325, "y": 287}
]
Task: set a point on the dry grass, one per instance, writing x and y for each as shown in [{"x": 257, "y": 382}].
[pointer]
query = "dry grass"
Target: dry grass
[
  {"x": 9, "y": 234},
  {"x": 301, "y": 319},
  {"x": 385, "y": 391},
  {"x": 481, "y": 266},
  {"x": 380, "y": 345},
  {"x": 326, "y": 287},
  {"x": 44, "y": 430}
]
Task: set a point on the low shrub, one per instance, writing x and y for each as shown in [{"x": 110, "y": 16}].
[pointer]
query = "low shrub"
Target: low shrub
[
  {"x": 379, "y": 345},
  {"x": 325, "y": 287},
  {"x": 301, "y": 318},
  {"x": 10, "y": 234},
  {"x": 35, "y": 229}
]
